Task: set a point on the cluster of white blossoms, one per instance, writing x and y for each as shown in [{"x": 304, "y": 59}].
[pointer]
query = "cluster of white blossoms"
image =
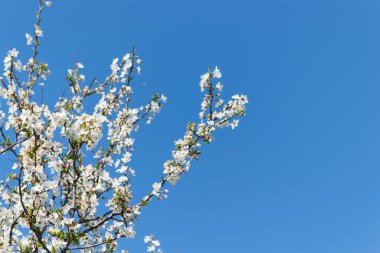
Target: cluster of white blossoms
[
  {"x": 152, "y": 244},
  {"x": 68, "y": 187},
  {"x": 214, "y": 114}
]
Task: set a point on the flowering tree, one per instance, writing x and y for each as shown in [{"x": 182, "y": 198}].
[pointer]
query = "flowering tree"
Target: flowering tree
[{"x": 68, "y": 190}]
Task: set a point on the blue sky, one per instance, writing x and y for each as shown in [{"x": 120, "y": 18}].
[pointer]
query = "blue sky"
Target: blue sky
[{"x": 304, "y": 172}]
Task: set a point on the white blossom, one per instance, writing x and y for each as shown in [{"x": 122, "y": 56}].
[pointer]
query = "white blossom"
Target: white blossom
[
  {"x": 38, "y": 31},
  {"x": 29, "y": 39},
  {"x": 216, "y": 73},
  {"x": 80, "y": 65}
]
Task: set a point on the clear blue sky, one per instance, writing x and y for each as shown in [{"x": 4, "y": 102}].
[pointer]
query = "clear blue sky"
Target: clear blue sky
[{"x": 304, "y": 173}]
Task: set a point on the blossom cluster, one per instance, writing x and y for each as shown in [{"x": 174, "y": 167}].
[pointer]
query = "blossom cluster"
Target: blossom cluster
[
  {"x": 68, "y": 186},
  {"x": 214, "y": 114},
  {"x": 152, "y": 244}
]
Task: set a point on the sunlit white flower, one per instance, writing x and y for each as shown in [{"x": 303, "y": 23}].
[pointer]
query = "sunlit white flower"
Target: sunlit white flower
[
  {"x": 216, "y": 73},
  {"x": 29, "y": 39},
  {"x": 38, "y": 31}
]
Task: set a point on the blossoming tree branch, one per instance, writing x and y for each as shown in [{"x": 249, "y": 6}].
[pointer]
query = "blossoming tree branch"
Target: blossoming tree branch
[{"x": 69, "y": 190}]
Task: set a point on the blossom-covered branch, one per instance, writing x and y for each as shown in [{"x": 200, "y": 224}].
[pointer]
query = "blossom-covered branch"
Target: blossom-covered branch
[{"x": 68, "y": 186}]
